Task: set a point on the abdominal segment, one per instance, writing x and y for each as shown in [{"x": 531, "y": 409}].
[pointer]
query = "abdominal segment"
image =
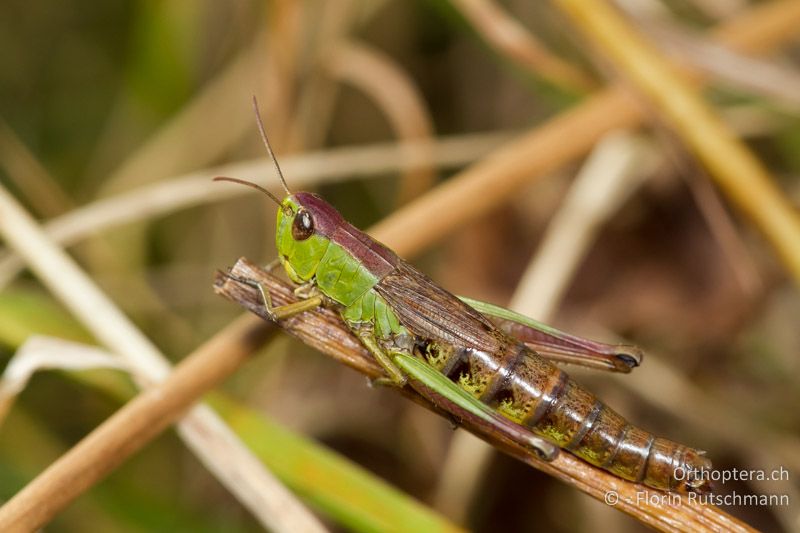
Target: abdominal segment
[{"x": 536, "y": 394}]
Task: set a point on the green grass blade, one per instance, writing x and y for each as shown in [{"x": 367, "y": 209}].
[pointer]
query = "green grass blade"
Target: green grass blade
[
  {"x": 26, "y": 312},
  {"x": 332, "y": 484}
]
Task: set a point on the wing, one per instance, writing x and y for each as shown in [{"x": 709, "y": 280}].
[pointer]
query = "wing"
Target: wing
[
  {"x": 556, "y": 345},
  {"x": 429, "y": 311}
]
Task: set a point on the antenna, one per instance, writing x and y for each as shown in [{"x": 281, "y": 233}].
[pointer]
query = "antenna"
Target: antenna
[
  {"x": 250, "y": 184},
  {"x": 269, "y": 148}
]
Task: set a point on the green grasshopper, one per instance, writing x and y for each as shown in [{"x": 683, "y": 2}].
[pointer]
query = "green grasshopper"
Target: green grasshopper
[{"x": 471, "y": 359}]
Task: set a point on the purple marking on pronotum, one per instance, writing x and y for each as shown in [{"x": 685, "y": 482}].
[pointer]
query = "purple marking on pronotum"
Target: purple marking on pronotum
[
  {"x": 326, "y": 218},
  {"x": 377, "y": 258}
]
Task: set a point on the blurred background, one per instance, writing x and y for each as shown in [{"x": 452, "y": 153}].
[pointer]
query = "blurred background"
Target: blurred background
[{"x": 373, "y": 104}]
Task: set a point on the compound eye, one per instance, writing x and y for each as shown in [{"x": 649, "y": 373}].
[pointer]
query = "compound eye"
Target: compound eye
[{"x": 302, "y": 226}]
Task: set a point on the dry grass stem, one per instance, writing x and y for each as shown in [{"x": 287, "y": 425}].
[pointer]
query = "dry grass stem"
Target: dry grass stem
[
  {"x": 395, "y": 94},
  {"x": 492, "y": 180},
  {"x": 568, "y": 136},
  {"x": 323, "y": 330},
  {"x": 318, "y": 93},
  {"x": 720, "y": 9},
  {"x": 611, "y": 174},
  {"x": 467, "y": 461},
  {"x": 719, "y": 221},
  {"x": 142, "y": 419},
  {"x": 305, "y": 170},
  {"x": 785, "y": 514},
  {"x": 725, "y": 233},
  {"x": 752, "y": 120},
  {"x": 733, "y": 166},
  {"x": 77, "y": 291},
  {"x": 514, "y": 41},
  {"x": 745, "y": 73},
  {"x": 30, "y": 176},
  {"x": 222, "y": 103},
  {"x": 486, "y": 184},
  {"x": 760, "y": 28},
  {"x": 113, "y": 329},
  {"x": 281, "y": 67},
  {"x": 40, "y": 353}
]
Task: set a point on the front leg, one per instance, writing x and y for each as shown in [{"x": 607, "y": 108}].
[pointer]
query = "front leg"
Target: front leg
[
  {"x": 280, "y": 312},
  {"x": 272, "y": 265}
]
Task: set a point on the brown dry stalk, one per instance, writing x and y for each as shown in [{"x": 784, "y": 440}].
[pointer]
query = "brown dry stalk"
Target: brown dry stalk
[
  {"x": 566, "y": 137},
  {"x": 30, "y": 177},
  {"x": 395, "y": 94},
  {"x": 196, "y": 188},
  {"x": 228, "y": 458},
  {"x": 324, "y": 330},
  {"x": 732, "y": 165},
  {"x": 136, "y": 424},
  {"x": 219, "y": 103},
  {"x": 771, "y": 80},
  {"x": 514, "y": 41}
]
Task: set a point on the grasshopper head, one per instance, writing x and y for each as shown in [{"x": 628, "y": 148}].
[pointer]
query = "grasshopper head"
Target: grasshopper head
[
  {"x": 305, "y": 225},
  {"x": 305, "y": 221},
  {"x": 303, "y": 231}
]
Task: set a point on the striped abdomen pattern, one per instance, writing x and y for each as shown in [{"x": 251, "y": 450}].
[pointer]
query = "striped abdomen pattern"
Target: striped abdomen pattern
[{"x": 535, "y": 393}]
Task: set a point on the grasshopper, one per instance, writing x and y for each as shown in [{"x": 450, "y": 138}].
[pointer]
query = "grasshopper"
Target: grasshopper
[{"x": 469, "y": 358}]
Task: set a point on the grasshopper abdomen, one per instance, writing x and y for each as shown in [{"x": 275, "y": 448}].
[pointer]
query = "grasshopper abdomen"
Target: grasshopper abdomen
[{"x": 531, "y": 391}]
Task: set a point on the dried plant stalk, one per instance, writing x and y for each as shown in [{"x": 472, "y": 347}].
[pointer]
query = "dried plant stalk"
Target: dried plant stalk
[
  {"x": 399, "y": 99},
  {"x": 514, "y": 41},
  {"x": 567, "y": 136},
  {"x": 323, "y": 329},
  {"x": 733, "y": 166},
  {"x": 137, "y": 423},
  {"x": 30, "y": 176},
  {"x": 234, "y": 466},
  {"x": 307, "y": 170}
]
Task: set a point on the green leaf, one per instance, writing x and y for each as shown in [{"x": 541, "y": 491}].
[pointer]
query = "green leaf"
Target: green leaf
[
  {"x": 337, "y": 487},
  {"x": 26, "y": 312}
]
